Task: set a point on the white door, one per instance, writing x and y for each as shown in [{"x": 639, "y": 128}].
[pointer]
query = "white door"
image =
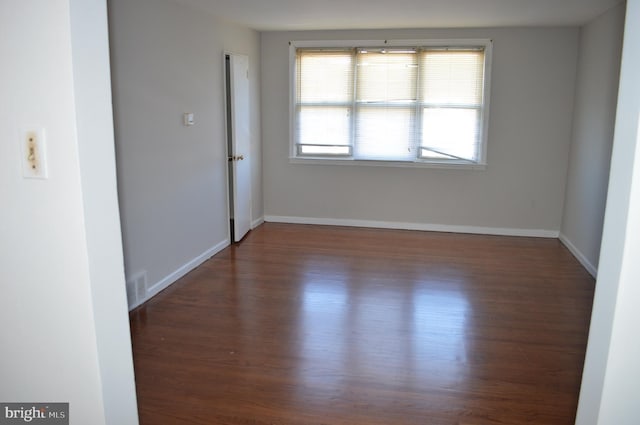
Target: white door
[{"x": 237, "y": 74}]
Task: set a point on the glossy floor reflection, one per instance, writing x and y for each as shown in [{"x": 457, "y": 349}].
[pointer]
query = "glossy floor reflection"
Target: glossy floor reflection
[{"x": 323, "y": 325}]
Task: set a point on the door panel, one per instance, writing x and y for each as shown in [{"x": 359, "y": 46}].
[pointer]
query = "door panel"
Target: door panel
[{"x": 240, "y": 137}]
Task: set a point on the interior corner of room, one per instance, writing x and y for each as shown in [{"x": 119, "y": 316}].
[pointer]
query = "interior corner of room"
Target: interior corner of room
[{"x": 550, "y": 135}]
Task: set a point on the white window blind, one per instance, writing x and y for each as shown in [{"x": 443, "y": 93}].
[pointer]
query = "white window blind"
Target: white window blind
[
  {"x": 418, "y": 104},
  {"x": 386, "y": 94},
  {"x": 451, "y": 103},
  {"x": 324, "y": 102}
]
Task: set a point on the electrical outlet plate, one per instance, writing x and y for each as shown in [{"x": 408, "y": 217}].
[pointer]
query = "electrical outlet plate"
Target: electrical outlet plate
[{"x": 34, "y": 153}]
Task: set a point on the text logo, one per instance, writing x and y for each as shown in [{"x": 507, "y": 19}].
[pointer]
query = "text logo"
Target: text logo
[{"x": 34, "y": 413}]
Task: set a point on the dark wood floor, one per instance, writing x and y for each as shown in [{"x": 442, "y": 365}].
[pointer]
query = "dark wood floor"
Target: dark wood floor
[{"x": 325, "y": 325}]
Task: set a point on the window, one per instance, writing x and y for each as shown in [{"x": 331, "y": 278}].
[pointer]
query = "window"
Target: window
[{"x": 401, "y": 102}]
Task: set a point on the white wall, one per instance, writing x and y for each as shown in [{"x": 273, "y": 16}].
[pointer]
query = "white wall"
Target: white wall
[
  {"x": 522, "y": 189},
  {"x": 65, "y": 334},
  {"x": 593, "y": 122},
  {"x": 166, "y": 60},
  {"x": 611, "y": 379},
  {"x": 94, "y": 117}
]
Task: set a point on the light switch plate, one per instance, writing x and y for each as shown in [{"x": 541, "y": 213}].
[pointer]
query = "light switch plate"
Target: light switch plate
[
  {"x": 187, "y": 119},
  {"x": 34, "y": 153}
]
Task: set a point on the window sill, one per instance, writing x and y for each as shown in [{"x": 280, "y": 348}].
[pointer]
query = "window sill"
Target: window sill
[{"x": 400, "y": 164}]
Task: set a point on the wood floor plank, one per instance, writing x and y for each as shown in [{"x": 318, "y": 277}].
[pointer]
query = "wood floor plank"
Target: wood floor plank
[{"x": 310, "y": 325}]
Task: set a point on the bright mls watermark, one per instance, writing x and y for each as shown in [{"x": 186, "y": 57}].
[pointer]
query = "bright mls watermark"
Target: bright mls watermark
[{"x": 34, "y": 413}]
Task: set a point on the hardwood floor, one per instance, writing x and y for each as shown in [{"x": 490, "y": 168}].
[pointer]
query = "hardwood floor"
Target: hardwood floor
[{"x": 325, "y": 325}]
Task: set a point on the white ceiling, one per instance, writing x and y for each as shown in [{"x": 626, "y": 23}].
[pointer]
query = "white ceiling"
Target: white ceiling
[{"x": 269, "y": 15}]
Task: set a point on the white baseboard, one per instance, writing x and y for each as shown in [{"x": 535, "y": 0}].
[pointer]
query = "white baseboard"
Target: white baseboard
[
  {"x": 593, "y": 271},
  {"x": 499, "y": 231},
  {"x": 257, "y": 222},
  {"x": 156, "y": 288}
]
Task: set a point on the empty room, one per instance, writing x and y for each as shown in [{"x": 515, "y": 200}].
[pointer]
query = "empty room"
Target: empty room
[{"x": 281, "y": 212}]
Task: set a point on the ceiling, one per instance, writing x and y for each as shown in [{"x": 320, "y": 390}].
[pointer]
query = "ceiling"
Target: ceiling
[{"x": 278, "y": 15}]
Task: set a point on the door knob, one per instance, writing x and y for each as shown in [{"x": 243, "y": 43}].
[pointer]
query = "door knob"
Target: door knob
[{"x": 240, "y": 157}]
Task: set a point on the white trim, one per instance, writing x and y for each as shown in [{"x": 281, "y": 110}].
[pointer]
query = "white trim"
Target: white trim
[
  {"x": 228, "y": 154},
  {"x": 180, "y": 272},
  {"x": 593, "y": 270},
  {"x": 402, "y": 164},
  {"x": 498, "y": 231},
  {"x": 486, "y": 101},
  {"x": 292, "y": 97},
  {"x": 431, "y": 42},
  {"x": 257, "y": 222}
]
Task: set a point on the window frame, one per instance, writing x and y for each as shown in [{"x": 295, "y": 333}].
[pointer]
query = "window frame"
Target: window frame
[{"x": 418, "y": 161}]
